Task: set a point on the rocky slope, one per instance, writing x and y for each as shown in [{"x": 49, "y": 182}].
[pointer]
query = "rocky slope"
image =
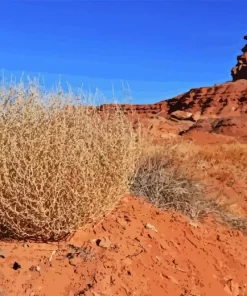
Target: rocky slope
[
  {"x": 230, "y": 126},
  {"x": 220, "y": 100},
  {"x": 150, "y": 109},
  {"x": 227, "y": 99}
]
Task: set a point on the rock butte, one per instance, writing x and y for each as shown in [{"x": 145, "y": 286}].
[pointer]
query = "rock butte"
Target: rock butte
[{"x": 240, "y": 70}]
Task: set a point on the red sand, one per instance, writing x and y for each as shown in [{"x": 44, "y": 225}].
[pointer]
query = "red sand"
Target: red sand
[{"x": 120, "y": 256}]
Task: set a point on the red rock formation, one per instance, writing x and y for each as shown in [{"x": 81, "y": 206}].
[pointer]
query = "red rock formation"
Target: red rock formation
[
  {"x": 140, "y": 109},
  {"x": 240, "y": 70},
  {"x": 235, "y": 127},
  {"x": 221, "y": 100},
  {"x": 182, "y": 115},
  {"x": 227, "y": 99}
]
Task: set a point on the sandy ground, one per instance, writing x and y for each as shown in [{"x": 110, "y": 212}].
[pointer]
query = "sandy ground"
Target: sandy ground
[{"x": 136, "y": 250}]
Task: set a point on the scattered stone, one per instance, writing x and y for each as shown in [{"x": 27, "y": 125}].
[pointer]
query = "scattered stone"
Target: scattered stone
[
  {"x": 104, "y": 243},
  {"x": 16, "y": 266},
  {"x": 170, "y": 277},
  {"x": 38, "y": 268},
  {"x": 35, "y": 268},
  {"x": 2, "y": 254},
  {"x": 126, "y": 218},
  {"x": 52, "y": 254},
  {"x": 122, "y": 222},
  {"x": 150, "y": 226},
  {"x": 182, "y": 115},
  {"x": 80, "y": 254},
  {"x": 70, "y": 256},
  {"x": 75, "y": 261}
]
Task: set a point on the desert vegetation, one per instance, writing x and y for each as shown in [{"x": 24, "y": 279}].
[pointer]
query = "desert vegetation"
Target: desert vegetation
[
  {"x": 178, "y": 174},
  {"x": 60, "y": 167},
  {"x": 63, "y": 164}
]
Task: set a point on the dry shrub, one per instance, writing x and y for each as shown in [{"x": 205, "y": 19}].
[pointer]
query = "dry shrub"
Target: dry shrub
[
  {"x": 60, "y": 168},
  {"x": 171, "y": 178},
  {"x": 163, "y": 184}
]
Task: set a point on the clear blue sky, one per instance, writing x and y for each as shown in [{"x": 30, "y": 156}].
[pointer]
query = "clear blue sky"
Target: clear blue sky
[{"x": 161, "y": 48}]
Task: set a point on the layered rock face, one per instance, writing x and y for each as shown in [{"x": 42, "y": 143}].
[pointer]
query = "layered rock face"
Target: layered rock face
[
  {"x": 158, "y": 108},
  {"x": 235, "y": 126},
  {"x": 220, "y": 109},
  {"x": 240, "y": 70},
  {"x": 223, "y": 100}
]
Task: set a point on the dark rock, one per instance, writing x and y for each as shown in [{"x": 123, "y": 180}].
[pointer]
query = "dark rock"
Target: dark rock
[
  {"x": 16, "y": 266},
  {"x": 240, "y": 70},
  {"x": 2, "y": 254}
]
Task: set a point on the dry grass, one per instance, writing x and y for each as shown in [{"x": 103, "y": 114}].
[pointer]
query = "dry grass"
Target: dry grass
[
  {"x": 171, "y": 176},
  {"x": 163, "y": 184},
  {"x": 159, "y": 181},
  {"x": 60, "y": 168},
  {"x": 221, "y": 161},
  {"x": 224, "y": 161}
]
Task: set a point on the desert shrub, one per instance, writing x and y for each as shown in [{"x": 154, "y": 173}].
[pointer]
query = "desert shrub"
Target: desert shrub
[
  {"x": 170, "y": 177},
  {"x": 60, "y": 167},
  {"x": 157, "y": 179}
]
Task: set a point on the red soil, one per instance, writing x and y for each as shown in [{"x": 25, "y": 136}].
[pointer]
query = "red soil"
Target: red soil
[{"x": 121, "y": 256}]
